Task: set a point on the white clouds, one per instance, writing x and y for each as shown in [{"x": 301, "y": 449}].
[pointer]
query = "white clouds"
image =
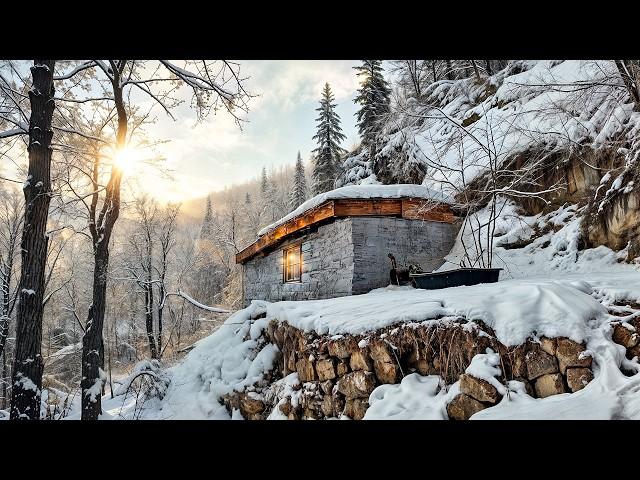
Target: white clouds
[
  {"x": 281, "y": 121},
  {"x": 288, "y": 83}
]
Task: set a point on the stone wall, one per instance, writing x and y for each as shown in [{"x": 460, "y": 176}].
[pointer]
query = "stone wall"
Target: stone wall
[
  {"x": 337, "y": 374},
  {"x": 349, "y": 256},
  {"x": 410, "y": 241},
  {"x": 327, "y": 271}
]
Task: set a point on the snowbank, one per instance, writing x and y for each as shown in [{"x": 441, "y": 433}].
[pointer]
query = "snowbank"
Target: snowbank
[
  {"x": 359, "y": 192},
  {"x": 415, "y": 398},
  {"x": 513, "y": 308},
  {"x": 231, "y": 359}
]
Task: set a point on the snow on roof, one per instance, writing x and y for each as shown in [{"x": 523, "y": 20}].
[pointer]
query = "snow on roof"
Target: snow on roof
[{"x": 362, "y": 192}]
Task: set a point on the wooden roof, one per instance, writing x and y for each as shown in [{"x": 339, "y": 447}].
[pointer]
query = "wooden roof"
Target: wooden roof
[{"x": 409, "y": 208}]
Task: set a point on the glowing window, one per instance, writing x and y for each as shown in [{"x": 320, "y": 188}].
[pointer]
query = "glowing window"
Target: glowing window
[{"x": 292, "y": 265}]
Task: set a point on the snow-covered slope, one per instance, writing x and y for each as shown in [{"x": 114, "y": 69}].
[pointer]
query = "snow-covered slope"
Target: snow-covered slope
[
  {"x": 236, "y": 357},
  {"x": 538, "y": 245},
  {"x": 462, "y": 123}
]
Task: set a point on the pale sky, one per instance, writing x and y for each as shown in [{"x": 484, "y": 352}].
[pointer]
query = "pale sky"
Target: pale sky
[{"x": 207, "y": 156}]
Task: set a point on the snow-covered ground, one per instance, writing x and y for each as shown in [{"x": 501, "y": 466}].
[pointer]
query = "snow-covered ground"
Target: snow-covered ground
[
  {"x": 548, "y": 288},
  {"x": 570, "y": 305}
]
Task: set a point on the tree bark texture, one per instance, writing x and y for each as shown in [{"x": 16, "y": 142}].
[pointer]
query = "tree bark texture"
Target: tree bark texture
[{"x": 28, "y": 363}]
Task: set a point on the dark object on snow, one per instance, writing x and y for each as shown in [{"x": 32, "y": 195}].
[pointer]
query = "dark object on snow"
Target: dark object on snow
[
  {"x": 401, "y": 276},
  {"x": 455, "y": 278}
]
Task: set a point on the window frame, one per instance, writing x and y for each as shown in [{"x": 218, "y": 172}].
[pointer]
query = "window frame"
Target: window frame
[{"x": 286, "y": 267}]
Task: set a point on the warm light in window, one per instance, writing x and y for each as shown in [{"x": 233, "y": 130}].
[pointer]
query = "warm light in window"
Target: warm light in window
[{"x": 292, "y": 264}]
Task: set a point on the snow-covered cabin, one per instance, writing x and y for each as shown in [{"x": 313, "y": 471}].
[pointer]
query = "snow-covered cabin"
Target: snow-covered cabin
[{"x": 337, "y": 243}]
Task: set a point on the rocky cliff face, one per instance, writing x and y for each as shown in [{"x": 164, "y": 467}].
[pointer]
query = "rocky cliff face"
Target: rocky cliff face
[
  {"x": 598, "y": 180},
  {"x": 613, "y": 216}
]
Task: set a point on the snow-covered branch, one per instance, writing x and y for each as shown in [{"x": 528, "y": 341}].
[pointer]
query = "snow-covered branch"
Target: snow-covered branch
[{"x": 197, "y": 304}]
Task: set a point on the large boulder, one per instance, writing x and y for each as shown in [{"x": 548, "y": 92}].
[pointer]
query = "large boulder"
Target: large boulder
[
  {"x": 342, "y": 368},
  {"x": 327, "y": 387},
  {"x": 250, "y": 407},
  {"x": 289, "y": 361},
  {"x": 549, "y": 384},
  {"x": 338, "y": 403},
  {"x": 633, "y": 352},
  {"x": 360, "y": 360},
  {"x": 463, "y": 406},
  {"x": 479, "y": 389},
  {"x": 571, "y": 354},
  {"x": 577, "y": 378},
  {"x": 358, "y": 384},
  {"x": 381, "y": 351},
  {"x": 286, "y": 407},
  {"x": 549, "y": 345},
  {"x": 517, "y": 361},
  {"x": 327, "y": 406},
  {"x": 342, "y": 347},
  {"x": 355, "y": 408}
]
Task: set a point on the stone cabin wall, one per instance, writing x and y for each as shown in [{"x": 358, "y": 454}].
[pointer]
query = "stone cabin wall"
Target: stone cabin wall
[
  {"x": 416, "y": 242},
  {"x": 349, "y": 256},
  {"x": 327, "y": 267}
]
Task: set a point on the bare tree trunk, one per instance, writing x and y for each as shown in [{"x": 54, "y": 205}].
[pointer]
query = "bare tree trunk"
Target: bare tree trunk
[
  {"x": 5, "y": 312},
  {"x": 625, "y": 70},
  {"x": 160, "y": 311},
  {"x": 101, "y": 229},
  {"x": 91, "y": 383},
  {"x": 5, "y": 375},
  {"x": 148, "y": 298},
  {"x": 28, "y": 363},
  {"x": 110, "y": 372}
]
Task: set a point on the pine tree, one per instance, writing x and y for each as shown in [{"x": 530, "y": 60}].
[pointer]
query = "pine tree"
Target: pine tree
[
  {"x": 269, "y": 197},
  {"x": 373, "y": 96},
  {"x": 206, "y": 231},
  {"x": 328, "y": 153},
  {"x": 298, "y": 192}
]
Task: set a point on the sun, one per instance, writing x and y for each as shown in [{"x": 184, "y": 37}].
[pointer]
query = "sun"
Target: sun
[{"x": 125, "y": 159}]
